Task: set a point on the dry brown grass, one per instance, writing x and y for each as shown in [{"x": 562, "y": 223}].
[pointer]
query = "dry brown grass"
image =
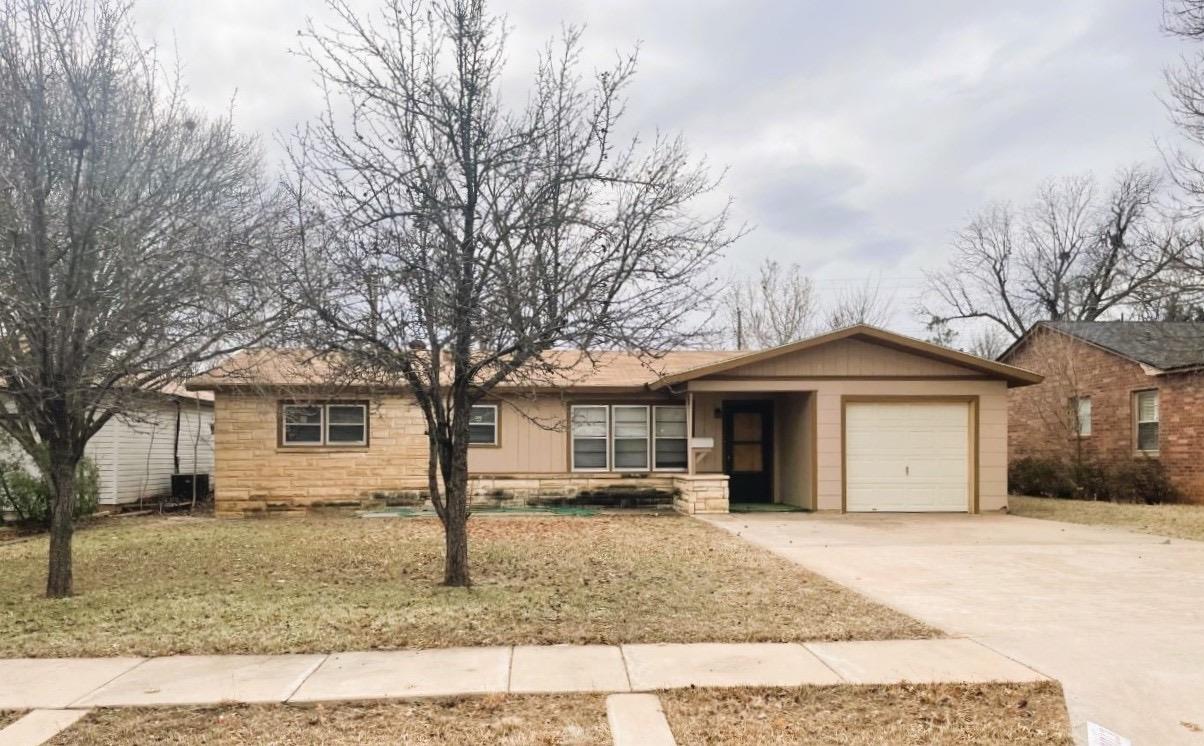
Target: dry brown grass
[
  {"x": 162, "y": 586},
  {"x": 8, "y": 717},
  {"x": 1182, "y": 521},
  {"x": 991, "y": 714},
  {"x": 579, "y": 720}
]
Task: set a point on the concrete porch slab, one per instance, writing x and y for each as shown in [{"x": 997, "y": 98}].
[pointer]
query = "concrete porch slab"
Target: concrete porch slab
[
  {"x": 637, "y": 720},
  {"x": 539, "y": 669},
  {"x": 407, "y": 673},
  {"x": 668, "y": 666},
  {"x": 920, "y": 662},
  {"x": 51, "y": 683},
  {"x": 39, "y": 726},
  {"x": 201, "y": 679}
]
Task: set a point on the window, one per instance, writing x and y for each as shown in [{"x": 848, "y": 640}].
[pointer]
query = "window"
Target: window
[
  {"x": 1080, "y": 411},
  {"x": 482, "y": 425},
  {"x": 590, "y": 430},
  {"x": 335, "y": 424},
  {"x": 1147, "y": 420},
  {"x": 630, "y": 438},
  {"x": 669, "y": 429}
]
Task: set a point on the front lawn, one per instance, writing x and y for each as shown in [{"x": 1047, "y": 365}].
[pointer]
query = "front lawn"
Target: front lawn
[
  {"x": 333, "y": 583},
  {"x": 990, "y": 714},
  {"x": 579, "y": 720},
  {"x": 8, "y": 717},
  {"x": 1182, "y": 521}
]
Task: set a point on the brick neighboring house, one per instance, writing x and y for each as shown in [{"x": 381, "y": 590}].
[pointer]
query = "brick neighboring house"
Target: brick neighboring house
[{"x": 1113, "y": 390}]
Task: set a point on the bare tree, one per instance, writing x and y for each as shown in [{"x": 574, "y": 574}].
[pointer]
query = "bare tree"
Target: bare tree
[
  {"x": 126, "y": 227},
  {"x": 777, "y": 307},
  {"x": 449, "y": 243},
  {"x": 860, "y": 304},
  {"x": 1073, "y": 254}
]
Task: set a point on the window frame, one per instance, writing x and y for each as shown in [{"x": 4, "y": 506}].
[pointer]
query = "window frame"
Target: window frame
[
  {"x": 573, "y": 439},
  {"x": 1076, "y": 411},
  {"x": 614, "y": 440},
  {"x": 497, "y": 427},
  {"x": 1138, "y": 422},
  {"x": 656, "y": 438},
  {"x": 323, "y": 425}
]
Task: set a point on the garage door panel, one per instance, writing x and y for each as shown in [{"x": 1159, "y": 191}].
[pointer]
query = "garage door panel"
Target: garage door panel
[{"x": 907, "y": 456}]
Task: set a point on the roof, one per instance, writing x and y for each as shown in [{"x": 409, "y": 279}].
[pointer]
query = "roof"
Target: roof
[
  {"x": 1166, "y": 345},
  {"x": 1013, "y": 375},
  {"x": 572, "y": 369}
]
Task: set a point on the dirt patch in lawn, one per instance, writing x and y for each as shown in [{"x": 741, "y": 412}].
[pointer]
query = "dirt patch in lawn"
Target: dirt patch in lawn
[
  {"x": 1181, "y": 521},
  {"x": 165, "y": 586},
  {"x": 8, "y": 717},
  {"x": 579, "y": 720},
  {"x": 871, "y": 715}
]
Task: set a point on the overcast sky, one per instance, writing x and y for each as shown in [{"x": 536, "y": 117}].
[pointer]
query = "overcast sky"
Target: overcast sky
[{"x": 858, "y": 135}]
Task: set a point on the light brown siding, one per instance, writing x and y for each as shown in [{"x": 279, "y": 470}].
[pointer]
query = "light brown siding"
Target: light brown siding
[
  {"x": 533, "y": 439},
  {"x": 849, "y": 357}
]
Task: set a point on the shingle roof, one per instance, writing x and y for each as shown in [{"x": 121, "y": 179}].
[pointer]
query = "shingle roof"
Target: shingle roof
[{"x": 1166, "y": 345}]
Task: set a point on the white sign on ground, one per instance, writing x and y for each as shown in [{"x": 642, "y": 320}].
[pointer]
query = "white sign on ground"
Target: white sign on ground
[{"x": 1098, "y": 735}]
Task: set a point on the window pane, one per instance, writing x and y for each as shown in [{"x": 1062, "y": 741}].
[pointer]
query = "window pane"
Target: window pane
[
  {"x": 482, "y": 414},
  {"x": 1082, "y": 415},
  {"x": 589, "y": 422},
  {"x": 631, "y": 454},
  {"x": 670, "y": 422},
  {"x": 589, "y": 454},
  {"x": 1147, "y": 406},
  {"x": 302, "y": 433},
  {"x": 482, "y": 433},
  {"x": 671, "y": 453},
  {"x": 300, "y": 414},
  {"x": 746, "y": 457},
  {"x": 1147, "y": 436},
  {"x": 346, "y": 414},
  {"x": 631, "y": 422},
  {"x": 345, "y": 434},
  {"x": 746, "y": 426}
]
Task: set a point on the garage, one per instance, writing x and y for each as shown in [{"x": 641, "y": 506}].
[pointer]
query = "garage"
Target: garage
[{"x": 908, "y": 456}]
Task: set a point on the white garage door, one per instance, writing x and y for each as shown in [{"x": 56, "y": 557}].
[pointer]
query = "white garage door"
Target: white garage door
[{"x": 907, "y": 456}]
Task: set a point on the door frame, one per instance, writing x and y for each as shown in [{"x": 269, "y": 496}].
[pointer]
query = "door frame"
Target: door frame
[
  {"x": 765, "y": 407},
  {"x": 971, "y": 433}
]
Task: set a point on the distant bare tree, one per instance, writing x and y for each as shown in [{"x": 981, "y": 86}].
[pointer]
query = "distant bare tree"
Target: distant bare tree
[
  {"x": 450, "y": 243},
  {"x": 127, "y": 233},
  {"x": 1073, "y": 254},
  {"x": 860, "y": 304},
  {"x": 777, "y": 307}
]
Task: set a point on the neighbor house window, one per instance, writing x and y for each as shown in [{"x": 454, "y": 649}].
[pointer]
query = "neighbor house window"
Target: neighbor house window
[
  {"x": 1147, "y": 420},
  {"x": 1080, "y": 410},
  {"x": 669, "y": 442},
  {"x": 482, "y": 425},
  {"x": 333, "y": 424},
  {"x": 630, "y": 438},
  {"x": 590, "y": 431}
]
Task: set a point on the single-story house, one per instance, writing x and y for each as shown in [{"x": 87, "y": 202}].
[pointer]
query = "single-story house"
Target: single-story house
[
  {"x": 1113, "y": 390},
  {"x": 859, "y": 419},
  {"x": 170, "y": 432}
]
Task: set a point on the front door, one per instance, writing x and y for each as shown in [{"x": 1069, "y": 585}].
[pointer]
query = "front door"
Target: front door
[{"x": 748, "y": 450}]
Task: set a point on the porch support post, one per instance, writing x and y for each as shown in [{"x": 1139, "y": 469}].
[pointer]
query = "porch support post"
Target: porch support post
[{"x": 689, "y": 431}]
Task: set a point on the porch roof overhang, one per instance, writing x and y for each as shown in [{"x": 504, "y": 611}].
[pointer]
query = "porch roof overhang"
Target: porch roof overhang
[{"x": 987, "y": 368}]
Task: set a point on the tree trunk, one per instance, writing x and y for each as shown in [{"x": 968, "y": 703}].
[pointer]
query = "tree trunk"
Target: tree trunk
[
  {"x": 59, "y": 580},
  {"x": 455, "y": 528}
]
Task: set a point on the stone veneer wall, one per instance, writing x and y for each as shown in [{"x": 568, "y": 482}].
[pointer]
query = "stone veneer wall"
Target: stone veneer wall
[{"x": 700, "y": 493}]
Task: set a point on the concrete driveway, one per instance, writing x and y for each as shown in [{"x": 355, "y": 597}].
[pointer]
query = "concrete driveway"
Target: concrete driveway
[{"x": 1116, "y": 616}]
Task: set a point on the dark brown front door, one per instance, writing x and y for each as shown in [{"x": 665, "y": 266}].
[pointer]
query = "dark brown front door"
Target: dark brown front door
[{"x": 748, "y": 450}]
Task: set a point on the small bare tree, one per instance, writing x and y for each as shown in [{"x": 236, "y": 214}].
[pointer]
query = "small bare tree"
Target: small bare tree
[
  {"x": 449, "y": 243},
  {"x": 860, "y": 304},
  {"x": 1071, "y": 255},
  {"x": 775, "y": 308},
  {"x": 127, "y": 227}
]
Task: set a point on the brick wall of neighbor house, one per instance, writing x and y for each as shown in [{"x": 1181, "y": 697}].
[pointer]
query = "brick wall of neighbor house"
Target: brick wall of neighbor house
[
  {"x": 1038, "y": 415},
  {"x": 253, "y": 474}
]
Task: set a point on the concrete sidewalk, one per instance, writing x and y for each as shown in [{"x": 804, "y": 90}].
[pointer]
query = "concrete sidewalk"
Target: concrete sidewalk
[{"x": 29, "y": 684}]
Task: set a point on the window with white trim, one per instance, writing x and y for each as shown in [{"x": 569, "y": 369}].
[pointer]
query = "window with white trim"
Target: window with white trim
[
  {"x": 482, "y": 425},
  {"x": 630, "y": 442},
  {"x": 590, "y": 428},
  {"x": 1146, "y": 406},
  {"x": 1080, "y": 410},
  {"x": 669, "y": 438},
  {"x": 333, "y": 424}
]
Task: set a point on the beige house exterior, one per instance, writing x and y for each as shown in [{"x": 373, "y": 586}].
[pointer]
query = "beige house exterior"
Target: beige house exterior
[{"x": 860, "y": 419}]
